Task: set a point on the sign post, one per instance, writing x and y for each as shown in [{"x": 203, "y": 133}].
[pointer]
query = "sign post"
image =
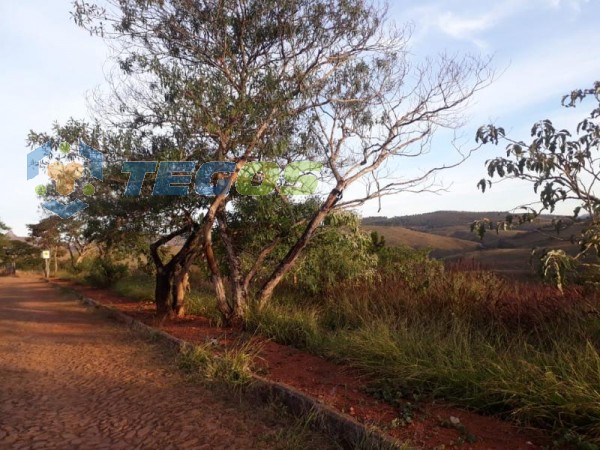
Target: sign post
[{"x": 46, "y": 257}]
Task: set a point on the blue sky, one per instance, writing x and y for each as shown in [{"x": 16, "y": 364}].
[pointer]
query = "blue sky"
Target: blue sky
[{"x": 541, "y": 48}]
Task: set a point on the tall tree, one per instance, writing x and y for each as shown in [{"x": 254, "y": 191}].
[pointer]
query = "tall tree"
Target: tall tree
[
  {"x": 117, "y": 225},
  {"x": 249, "y": 81},
  {"x": 46, "y": 234}
]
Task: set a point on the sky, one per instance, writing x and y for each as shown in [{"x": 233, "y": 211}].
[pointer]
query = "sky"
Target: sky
[{"x": 542, "y": 49}]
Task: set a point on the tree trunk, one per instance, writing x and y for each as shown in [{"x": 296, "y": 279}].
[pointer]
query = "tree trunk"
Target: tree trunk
[
  {"x": 258, "y": 263},
  {"x": 162, "y": 292},
  {"x": 239, "y": 295},
  {"x": 200, "y": 238},
  {"x": 166, "y": 274},
  {"x": 72, "y": 256},
  {"x": 266, "y": 292},
  {"x": 217, "y": 280},
  {"x": 179, "y": 288}
]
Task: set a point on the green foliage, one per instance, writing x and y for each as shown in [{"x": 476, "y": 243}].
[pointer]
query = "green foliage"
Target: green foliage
[
  {"x": 256, "y": 222},
  {"x": 526, "y": 352},
  {"x": 84, "y": 267},
  {"x": 481, "y": 226},
  {"x": 231, "y": 367},
  {"x": 555, "y": 266},
  {"x": 119, "y": 225},
  {"x": 560, "y": 165},
  {"x": 202, "y": 303},
  {"x": 554, "y": 385},
  {"x": 377, "y": 240},
  {"x": 24, "y": 255},
  {"x": 339, "y": 253},
  {"x": 413, "y": 267},
  {"x": 543, "y": 388},
  {"x": 262, "y": 81},
  {"x": 105, "y": 272},
  {"x": 291, "y": 326},
  {"x": 41, "y": 190},
  {"x": 523, "y": 351},
  {"x": 139, "y": 287}
]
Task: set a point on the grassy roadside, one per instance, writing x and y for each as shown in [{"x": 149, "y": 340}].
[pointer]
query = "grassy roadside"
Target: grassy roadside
[
  {"x": 521, "y": 352},
  {"x": 230, "y": 372}
]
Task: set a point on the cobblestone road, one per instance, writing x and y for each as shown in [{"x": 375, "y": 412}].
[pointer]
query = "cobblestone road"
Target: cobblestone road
[{"x": 71, "y": 379}]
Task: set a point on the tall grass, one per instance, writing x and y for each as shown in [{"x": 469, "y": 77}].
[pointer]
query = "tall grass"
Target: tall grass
[
  {"x": 523, "y": 351},
  {"x": 231, "y": 367},
  {"x": 139, "y": 287}
]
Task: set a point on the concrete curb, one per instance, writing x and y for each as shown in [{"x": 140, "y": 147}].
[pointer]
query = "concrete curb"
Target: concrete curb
[{"x": 347, "y": 431}]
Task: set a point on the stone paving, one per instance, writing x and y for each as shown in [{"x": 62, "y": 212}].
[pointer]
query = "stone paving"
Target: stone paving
[{"x": 70, "y": 379}]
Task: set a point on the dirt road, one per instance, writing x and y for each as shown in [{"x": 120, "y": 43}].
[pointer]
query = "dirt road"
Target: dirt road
[{"x": 71, "y": 379}]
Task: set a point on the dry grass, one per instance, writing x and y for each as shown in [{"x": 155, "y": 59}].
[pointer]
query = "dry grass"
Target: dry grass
[
  {"x": 398, "y": 236},
  {"x": 523, "y": 351}
]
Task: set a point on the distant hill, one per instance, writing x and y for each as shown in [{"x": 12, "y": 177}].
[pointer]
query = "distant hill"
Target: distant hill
[
  {"x": 441, "y": 246},
  {"x": 433, "y": 220},
  {"x": 13, "y": 237},
  {"x": 445, "y": 219},
  {"x": 448, "y": 235}
]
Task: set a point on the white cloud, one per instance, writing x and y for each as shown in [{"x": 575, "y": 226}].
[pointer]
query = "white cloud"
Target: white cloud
[
  {"x": 471, "y": 21},
  {"x": 575, "y": 5},
  {"x": 541, "y": 74},
  {"x": 469, "y": 27},
  {"x": 460, "y": 27}
]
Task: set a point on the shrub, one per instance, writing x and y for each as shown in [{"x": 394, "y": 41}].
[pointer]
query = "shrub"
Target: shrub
[{"x": 105, "y": 272}]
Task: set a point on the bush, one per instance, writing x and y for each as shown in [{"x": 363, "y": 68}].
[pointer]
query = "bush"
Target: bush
[
  {"x": 104, "y": 272},
  {"x": 413, "y": 267},
  {"x": 335, "y": 256},
  {"x": 139, "y": 286}
]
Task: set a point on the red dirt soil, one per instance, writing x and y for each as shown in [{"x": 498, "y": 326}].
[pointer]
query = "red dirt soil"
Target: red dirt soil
[{"x": 341, "y": 387}]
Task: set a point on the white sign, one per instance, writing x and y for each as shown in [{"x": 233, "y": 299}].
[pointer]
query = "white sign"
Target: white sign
[{"x": 46, "y": 254}]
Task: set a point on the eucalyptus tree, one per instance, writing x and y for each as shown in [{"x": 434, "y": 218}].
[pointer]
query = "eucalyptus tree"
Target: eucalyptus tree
[{"x": 255, "y": 82}]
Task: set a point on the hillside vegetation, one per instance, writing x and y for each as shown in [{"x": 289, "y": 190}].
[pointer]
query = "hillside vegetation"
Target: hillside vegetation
[{"x": 448, "y": 236}]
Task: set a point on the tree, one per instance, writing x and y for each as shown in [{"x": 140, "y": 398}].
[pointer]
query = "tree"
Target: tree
[
  {"x": 14, "y": 253},
  {"x": 62, "y": 235},
  {"x": 339, "y": 251},
  {"x": 4, "y": 242},
  {"x": 561, "y": 166},
  {"x": 21, "y": 255},
  {"x": 244, "y": 82},
  {"x": 3, "y": 228},
  {"x": 47, "y": 235},
  {"x": 117, "y": 225}
]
